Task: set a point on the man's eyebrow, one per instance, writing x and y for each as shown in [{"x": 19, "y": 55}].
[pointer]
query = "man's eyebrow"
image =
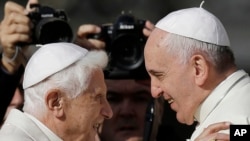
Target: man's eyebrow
[
  {"x": 153, "y": 72},
  {"x": 142, "y": 92}
]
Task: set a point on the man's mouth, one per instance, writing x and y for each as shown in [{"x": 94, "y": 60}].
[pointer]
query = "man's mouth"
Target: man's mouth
[
  {"x": 170, "y": 101},
  {"x": 96, "y": 126},
  {"x": 127, "y": 128}
]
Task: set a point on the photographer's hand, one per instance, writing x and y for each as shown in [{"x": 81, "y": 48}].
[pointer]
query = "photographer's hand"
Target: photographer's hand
[
  {"x": 89, "y": 43},
  {"x": 29, "y": 3},
  {"x": 15, "y": 28},
  {"x": 149, "y": 26}
]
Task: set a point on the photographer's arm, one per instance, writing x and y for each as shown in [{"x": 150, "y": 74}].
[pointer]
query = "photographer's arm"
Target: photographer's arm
[{"x": 14, "y": 28}]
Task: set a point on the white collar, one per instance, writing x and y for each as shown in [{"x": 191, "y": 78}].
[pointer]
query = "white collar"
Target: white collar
[
  {"x": 217, "y": 95},
  {"x": 51, "y": 135}
]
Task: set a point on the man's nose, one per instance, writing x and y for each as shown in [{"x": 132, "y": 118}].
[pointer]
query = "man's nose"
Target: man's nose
[
  {"x": 106, "y": 110},
  {"x": 126, "y": 107},
  {"x": 156, "y": 91}
]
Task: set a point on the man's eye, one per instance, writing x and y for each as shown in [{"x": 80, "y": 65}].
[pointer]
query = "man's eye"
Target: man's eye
[
  {"x": 113, "y": 98},
  {"x": 159, "y": 76},
  {"x": 142, "y": 97},
  {"x": 99, "y": 98}
]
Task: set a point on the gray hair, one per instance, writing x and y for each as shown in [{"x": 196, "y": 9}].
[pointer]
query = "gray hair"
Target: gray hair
[
  {"x": 73, "y": 80},
  {"x": 183, "y": 47}
]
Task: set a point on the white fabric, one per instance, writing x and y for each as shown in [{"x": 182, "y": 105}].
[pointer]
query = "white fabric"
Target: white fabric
[
  {"x": 51, "y": 135},
  {"x": 230, "y": 101},
  {"x": 20, "y": 127},
  {"x": 196, "y": 23},
  {"x": 49, "y": 59}
]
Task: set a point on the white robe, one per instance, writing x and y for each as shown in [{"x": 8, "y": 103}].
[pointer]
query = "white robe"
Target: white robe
[
  {"x": 229, "y": 101},
  {"x": 20, "y": 126}
]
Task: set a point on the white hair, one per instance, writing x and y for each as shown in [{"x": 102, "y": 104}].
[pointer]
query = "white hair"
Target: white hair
[
  {"x": 183, "y": 47},
  {"x": 72, "y": 80}
]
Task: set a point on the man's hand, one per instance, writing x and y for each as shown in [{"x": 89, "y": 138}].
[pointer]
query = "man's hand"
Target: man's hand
[
  {"x": 149, "y": 27},
  {"x": 212, "y": 132},
  {"x": 89, "y": 43},
  {"x": 15, "y": 28}
]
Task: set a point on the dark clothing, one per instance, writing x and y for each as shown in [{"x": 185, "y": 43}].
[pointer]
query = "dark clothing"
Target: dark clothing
[{"x": 8, "y": 85}]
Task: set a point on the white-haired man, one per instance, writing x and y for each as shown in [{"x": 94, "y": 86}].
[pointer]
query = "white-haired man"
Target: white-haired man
[
  {"x": 191, "y": 65},
  {"x": 65, "y": 96}
]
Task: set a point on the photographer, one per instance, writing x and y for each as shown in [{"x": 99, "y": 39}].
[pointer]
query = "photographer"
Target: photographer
[
  {"x": 14, "y": 28},
  {"x": 20, "y": 29}
]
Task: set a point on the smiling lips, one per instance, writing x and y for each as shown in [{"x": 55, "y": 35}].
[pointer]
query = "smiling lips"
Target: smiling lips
[
  {"x": 170, "y": 101},
  {"x": 96, "y": 126},
  {"x": 127, "y": 127}
]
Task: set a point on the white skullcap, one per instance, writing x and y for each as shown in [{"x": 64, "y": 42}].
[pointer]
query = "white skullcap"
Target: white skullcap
[
  {"x": 49, "y": 59},
  {"x": 196, "y": 23}
]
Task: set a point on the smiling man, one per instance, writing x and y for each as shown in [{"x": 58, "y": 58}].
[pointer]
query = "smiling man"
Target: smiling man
[
  {"x": 191, "y": 65},
  {"x": 65, "y": 96}
]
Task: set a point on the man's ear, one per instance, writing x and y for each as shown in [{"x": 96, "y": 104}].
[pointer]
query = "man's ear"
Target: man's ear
[
  {"x": 54, "y": 102},
  {"x": 201, "y": 68}
]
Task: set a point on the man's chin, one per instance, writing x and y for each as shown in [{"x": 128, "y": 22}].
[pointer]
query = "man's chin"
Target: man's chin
[
  {"x": 183, "y": 120},
  {"x": 128, "y": 137},
  {"x": 134, "y": 139}
]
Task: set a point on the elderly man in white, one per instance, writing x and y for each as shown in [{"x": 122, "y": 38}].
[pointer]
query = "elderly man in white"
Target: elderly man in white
[
  {"x": 191, "y": 65},
  {"x": 65, "y": 96}
]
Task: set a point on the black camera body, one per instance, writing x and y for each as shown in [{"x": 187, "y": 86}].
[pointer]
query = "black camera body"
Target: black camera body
[
  {"x": 50, "y": 25},
  {"x": 125, "y": 43}
]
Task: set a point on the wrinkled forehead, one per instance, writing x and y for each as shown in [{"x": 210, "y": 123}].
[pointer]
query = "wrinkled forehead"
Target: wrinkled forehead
[
  {"x": 96, "y": 80},
  {"x": 156, "y": 40},
  {"x": 155, "y": 49}
]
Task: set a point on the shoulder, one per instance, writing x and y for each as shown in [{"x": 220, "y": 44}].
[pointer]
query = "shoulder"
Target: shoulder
[{"x": 10, "y": 137}]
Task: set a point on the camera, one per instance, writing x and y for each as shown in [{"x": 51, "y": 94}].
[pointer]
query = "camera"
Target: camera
[
  {"x": 50, "y": 25},
  {"x": 125, "y": 46}
]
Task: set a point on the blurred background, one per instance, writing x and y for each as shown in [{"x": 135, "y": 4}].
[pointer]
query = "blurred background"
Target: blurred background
[{"x": 234, "y": 14}]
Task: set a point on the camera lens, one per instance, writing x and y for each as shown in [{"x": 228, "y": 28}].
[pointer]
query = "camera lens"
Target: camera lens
[
  {"x": 127, "y": 52},
  {"x": 53, "y": 30}
]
